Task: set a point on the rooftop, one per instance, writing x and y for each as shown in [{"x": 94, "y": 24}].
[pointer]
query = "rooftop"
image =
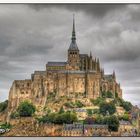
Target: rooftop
[{"x": 53, "y": 63}]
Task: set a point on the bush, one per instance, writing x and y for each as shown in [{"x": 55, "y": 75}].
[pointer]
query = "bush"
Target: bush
[
  {"x": 97, "y": 101},
  {"x": 26, "y": 109},
  {"x": 79, "y": 104},
  {"x": 3, "y": 105},
  {"x": 106, "y": 108},
  {"x": 5, "y": 126},
  {"x": 66, "y": 117},
  {"x": 125, "y": 117}
]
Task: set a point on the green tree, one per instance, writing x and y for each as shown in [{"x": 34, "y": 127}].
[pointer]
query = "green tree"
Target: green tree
[
  {"x": 106, "y": 108},
  {"x": 57, "y": 118},
  {"x": 89, "y": 112},
  {"x": 89, "y": 120},
  {"x": 113, "y": 123},
  {"x": 26, "y": 109},
  {"x": 79, "y": 104},
  {"x": 127, "y": 105},
  {"x": 3, "y": 105},
  {"x": 109, "y": 94},
  {"x": 116, "y": 95},
  {"x": 61, "y": 110},
  {"x": 97, "y": 101}
]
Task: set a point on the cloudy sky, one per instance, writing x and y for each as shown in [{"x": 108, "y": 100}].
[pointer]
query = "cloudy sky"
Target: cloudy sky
[{"x": 31, "y": 35}]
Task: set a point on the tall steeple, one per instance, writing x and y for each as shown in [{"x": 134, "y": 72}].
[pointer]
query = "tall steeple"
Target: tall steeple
[
  {"x": 73, "y": 45},
  {"x": 73, "y": 30}
]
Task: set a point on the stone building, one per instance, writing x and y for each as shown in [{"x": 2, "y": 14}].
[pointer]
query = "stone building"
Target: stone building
[
  {"x": 78, "y": 129},
  {"x": 79, "y": 74}
]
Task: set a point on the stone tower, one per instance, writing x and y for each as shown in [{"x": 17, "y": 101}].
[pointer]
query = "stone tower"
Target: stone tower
[{"x": 73, "y": 51}]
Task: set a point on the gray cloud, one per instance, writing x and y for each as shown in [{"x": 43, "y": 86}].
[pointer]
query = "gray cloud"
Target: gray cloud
[
  {"x": 31, "y": 35},
  {"x": 98, "y": 10}
]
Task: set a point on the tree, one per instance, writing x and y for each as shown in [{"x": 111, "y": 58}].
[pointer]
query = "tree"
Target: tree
[
  {"x": 124, "y": 117},
  {"x": 106, "y": 108},
  {"x": 57, "y": 118},
  {"x": 109, "y": 94},
  {"x": 26, "y": 109},
  {"x": 3, "y": 105},
  {"x": 89, "y": 120},
  {"x": 127, "y": 106},
  {"x": 116, "y": 95},
  {"x": 61, "y": 110},
  {"x": 89, "y": 112},
  {"x": 79, "y": 104},
  {"x": 113, "y": 123}
]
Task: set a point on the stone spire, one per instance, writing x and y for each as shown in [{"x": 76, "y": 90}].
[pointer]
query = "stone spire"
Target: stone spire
[
  {"x": 73, "y": 45},
  {"x": 73, "y": 30},
  {"x": 114, "y": 75}
]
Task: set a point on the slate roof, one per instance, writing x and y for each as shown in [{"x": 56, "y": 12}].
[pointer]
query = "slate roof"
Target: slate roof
[
  {"x": 73, "y": 46},
  {"x": 83, "y": 55},
  {"x": 56, "y": 63}
]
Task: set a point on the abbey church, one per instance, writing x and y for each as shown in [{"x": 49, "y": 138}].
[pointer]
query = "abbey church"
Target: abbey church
[{"x": 80, "y": 76}]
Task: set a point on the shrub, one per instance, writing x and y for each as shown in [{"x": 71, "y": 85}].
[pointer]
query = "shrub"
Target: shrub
[
  {"x": 3, "y": 105},
  {"x": 26, "y": 109}
]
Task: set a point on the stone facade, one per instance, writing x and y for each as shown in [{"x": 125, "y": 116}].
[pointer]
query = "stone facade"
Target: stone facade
[{"x": 80, "y": 74}]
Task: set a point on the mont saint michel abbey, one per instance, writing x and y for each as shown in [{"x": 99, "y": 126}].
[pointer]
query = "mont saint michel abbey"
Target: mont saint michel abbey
[{"x": 79, "y": 76}]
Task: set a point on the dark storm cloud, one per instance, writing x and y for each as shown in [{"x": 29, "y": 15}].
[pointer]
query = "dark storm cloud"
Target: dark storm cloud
[
  {"x": 98, "y": 10},
  {"x": 31, "y": 35}
]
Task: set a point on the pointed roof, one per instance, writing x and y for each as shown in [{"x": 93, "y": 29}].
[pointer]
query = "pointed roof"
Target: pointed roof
[{"x": 73, "y": 45}]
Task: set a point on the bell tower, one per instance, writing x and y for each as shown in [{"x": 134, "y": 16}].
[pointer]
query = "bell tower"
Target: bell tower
[{"x": 73, "y": 51}]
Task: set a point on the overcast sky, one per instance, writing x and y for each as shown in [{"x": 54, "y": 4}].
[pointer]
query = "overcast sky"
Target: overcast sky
[{"x": 31, "y": 35}]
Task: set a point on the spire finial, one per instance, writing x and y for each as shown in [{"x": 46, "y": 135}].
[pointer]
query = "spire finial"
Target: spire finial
[{"x": 73, "y": 30}]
